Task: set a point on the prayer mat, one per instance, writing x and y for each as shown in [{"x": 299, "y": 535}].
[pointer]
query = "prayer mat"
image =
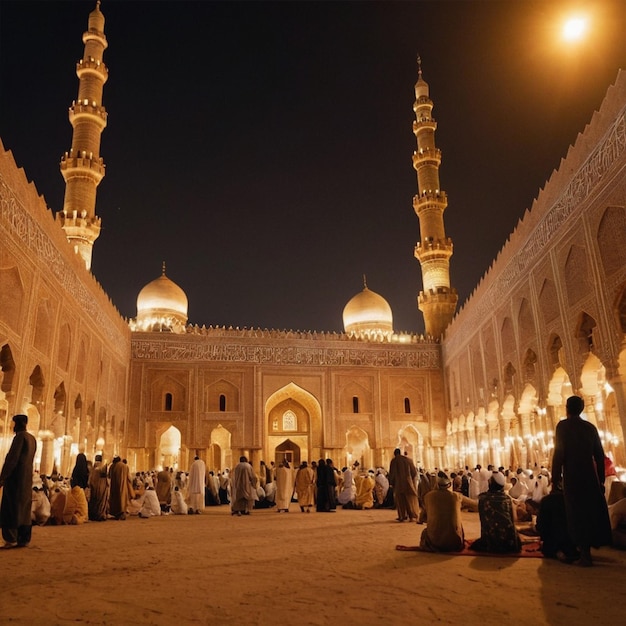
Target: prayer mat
[{"x": 531, "y": 549}]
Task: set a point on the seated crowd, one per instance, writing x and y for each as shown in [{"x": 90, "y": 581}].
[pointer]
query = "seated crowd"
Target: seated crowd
[{"x": 504, "y": 499}]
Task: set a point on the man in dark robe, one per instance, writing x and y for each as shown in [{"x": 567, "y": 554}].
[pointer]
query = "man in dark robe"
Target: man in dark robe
[
  {"x": 579, "y": 462},
  {"x": 121, "y": 489},
  {"x": 325, "y": 482},
  {"x": 552, "y": 527},
  {"x": 402, "y": 476},
  {"x": 80, "y": 473},
  {"x": 16, "y": 479}
]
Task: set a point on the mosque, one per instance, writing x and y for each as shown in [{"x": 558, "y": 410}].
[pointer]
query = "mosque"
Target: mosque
[{"x": 484, "y": 384}]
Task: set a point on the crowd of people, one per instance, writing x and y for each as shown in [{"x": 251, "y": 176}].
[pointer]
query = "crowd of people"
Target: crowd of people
[{"x": 566, "y": 507}]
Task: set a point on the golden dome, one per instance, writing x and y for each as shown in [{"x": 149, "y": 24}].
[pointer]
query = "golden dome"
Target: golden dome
[
  {"x": 368, "y": 314},
  {"x": 161, "y": 304}
]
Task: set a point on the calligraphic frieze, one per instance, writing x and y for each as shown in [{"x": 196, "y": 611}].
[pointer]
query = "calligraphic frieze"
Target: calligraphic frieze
[
  {"x": 609, "y": 150},
  {"x": 20, "y": 224},
  {"x": 421, "y": 357}
]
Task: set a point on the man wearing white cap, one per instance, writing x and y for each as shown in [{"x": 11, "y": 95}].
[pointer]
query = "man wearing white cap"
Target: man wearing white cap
[
  {"x": 497, "y": 528},
  {"x": 444, "y": 530}
]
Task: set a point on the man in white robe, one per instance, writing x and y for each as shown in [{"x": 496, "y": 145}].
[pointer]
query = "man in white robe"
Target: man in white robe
[
  {"x": 347, "y": 494},
  {"x": 179, "y": 506},
  {"x": 196, "y": 485},
  {"x": 150, "y": 506},
  {"x": 284, "y": 487}
]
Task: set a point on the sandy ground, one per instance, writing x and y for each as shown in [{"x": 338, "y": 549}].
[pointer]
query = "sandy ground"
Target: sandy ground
[{"x": 277, "y": 568}]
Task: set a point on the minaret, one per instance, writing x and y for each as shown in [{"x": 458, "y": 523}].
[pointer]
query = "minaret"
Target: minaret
[
  {"x": 81, "y": 167},
  {"x": 438, "y": 300}
]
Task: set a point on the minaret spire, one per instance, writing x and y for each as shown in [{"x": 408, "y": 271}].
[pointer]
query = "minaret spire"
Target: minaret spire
[
  {"x": 438, "y": 300},
  {"x": 82, "y": 167}
]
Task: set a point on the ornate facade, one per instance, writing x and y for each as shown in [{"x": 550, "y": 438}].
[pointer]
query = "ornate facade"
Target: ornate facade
[{"x": 548, "y": 319}]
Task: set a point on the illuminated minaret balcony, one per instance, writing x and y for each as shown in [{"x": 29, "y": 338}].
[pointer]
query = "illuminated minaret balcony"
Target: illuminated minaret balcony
[
  {"x": 438, "y": 299},
  {"x": 82, "y": 166}
]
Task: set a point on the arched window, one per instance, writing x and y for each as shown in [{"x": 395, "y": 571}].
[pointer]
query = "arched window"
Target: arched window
[
  {"x": 168, "y": 401},
  {"x": 290, "y": 421},
  {"x": 407, "y": 405},
  {"x": 222, "y": 402},
  {"x": 355, "y": 404}
]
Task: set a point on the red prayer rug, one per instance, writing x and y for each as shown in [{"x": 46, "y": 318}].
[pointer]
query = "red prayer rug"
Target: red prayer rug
[{"x": 531, "y": 549}]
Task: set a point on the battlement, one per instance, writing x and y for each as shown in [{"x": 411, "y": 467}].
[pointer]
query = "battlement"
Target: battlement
[
  {"x": 429, "y": 244},
  {"x": 78, "y": 222},
  {"x": 424, "y": 123},
  {"x": 91, "y": 109},
  {"x": 73, "y": 163},
  {"x": 94, "y": 66},
  {"x": 427, "y": 156}
]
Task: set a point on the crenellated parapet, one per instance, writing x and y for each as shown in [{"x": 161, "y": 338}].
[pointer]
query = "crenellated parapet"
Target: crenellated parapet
[{"x": 86, "y": 163}]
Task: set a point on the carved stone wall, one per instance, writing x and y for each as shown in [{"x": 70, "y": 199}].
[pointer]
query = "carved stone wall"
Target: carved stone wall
[
  {"x": 70, "y": 346},
  {"x": 564, "y": 266}
]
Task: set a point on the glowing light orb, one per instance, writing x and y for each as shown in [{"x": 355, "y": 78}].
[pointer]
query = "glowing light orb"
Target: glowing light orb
[{"x": 575, "y": 28}]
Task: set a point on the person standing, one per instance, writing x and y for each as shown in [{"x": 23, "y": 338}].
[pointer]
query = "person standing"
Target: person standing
[
  {"x": 324, "y": 481},
  {"x": 16, "y": 479},
  {"x": 402, "y": 475},
  {"x": 121, "y": 489},
  {"x": 98, "y": 491},
  {"x": 579, "y": 462},
  {"x": 284, "y": 486},
  {"x": 305, "y": 480},
  {"x": 196, "y": 485},
  {"x": 243, "y": 488}
]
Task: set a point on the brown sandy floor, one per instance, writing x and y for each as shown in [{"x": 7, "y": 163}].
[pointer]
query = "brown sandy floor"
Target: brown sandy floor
[{"x": 269, "y": 568}]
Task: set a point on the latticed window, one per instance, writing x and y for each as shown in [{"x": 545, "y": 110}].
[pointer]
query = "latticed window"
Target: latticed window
[{"x": 290, "y": 421}]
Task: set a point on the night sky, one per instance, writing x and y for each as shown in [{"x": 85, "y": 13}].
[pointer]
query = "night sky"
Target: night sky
[{"x": 263, "y": 150}]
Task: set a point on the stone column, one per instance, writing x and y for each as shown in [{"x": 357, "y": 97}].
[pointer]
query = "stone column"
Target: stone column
[{"x": 47, "y": 452}]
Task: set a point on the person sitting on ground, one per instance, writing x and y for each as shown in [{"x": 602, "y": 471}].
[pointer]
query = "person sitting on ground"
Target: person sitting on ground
[
  {"x": 497, "y": 528},
  {"x": 617, "y": 516},
  {"x": 365, "y": 491},
  {"x": 40, "y": 510},
  {"x": 151, "y": 506},
  {"x": 178, "y": 506},
  {"x": 552, "y": 528},
  {"x": 347, "y": 491},
  {"x": 381, "y": 488},
  {"x": 70, "y": 507},
  {"x": 444, "y": 530}
]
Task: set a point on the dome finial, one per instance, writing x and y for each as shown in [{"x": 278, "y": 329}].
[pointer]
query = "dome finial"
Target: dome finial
[
  {"x": 419, "y": 65},
  {"x": 364, "y": 282},
  {"x": 163, "y": 269}
]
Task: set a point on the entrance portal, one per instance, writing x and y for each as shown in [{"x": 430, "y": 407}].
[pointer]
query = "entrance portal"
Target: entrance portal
[{"x": 288, "y": 451}]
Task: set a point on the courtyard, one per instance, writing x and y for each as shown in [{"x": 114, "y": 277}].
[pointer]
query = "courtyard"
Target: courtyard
[{"x": 278, "y": 568}]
